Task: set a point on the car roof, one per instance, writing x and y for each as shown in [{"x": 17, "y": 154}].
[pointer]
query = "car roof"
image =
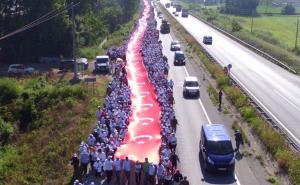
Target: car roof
[
  {"x": 175, "y": 41},
  {"x": 12, "y": 65},
  {"x": 215, "y": 132},
  {"x": 191, "y": 79},
  {"x": 179, "y": 52},
  {"x": 102, "y": 56}
]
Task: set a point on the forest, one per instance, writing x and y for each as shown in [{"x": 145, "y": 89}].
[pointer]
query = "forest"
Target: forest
[{"x": 95, "y": 20}]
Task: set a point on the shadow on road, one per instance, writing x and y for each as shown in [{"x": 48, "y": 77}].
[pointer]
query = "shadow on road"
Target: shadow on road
[{"x": 216, "y": 177}]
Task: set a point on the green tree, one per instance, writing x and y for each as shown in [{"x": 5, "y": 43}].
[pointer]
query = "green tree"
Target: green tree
[
  {"x": 289, "y": 9},
  {"x": 8, "y": 91},
  {"x": 6, "y": 131},
  {"x": 241, "y": 7}
]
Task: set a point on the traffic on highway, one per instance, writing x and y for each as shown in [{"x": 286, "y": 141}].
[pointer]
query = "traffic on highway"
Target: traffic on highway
[{"x": 273, "y": 88}]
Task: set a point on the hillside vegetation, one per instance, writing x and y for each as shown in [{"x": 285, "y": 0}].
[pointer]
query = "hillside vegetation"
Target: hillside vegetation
[
  {"x": 95, "y": 20},
  {"x": 42, "y": 121}
]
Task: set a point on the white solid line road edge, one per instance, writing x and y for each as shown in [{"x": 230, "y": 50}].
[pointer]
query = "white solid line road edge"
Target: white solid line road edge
[
  {"x": 266, "y": 109},
  {"x": 206, "y": 115}
]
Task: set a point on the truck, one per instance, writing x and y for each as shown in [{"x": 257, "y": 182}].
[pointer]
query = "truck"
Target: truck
[
  {"x": 178, "y": 8},
  {"x": 165, "y": 27},
  {"x": 103, "y": 64},
  {"x": 185, "y": 13}
]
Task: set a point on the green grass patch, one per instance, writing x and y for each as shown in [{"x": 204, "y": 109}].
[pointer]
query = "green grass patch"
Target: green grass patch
[
  {"x": 213, "y": 94},
  {"x": 61, "y": 116}
]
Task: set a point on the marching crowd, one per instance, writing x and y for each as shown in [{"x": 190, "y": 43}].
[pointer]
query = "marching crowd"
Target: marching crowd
[{"x": 113, "y": 120}]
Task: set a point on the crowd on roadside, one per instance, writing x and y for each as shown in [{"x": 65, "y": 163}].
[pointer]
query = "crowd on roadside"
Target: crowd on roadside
[{"x": 112, "y": 121}]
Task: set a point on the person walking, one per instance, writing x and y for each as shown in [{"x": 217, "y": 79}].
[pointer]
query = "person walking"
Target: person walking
[
  {"x": 220, "y": 99},
  {"x": 117, "y": 167},
  {"x": 84, "y": 161},
  {"x": 174, "y": 159},
  {"x": 152, "y": 174},
  {"x": 172, "y": 142},
  {"x": 75, "y": 164},
  {"x": 98, "y": 168},
  {"x": 108, "y": 168},
  {"x": 146, "y": 171},
  {"x": 127, "y": 169},
  {"x": 184, "y": 181},
  {"x": 168, "y": 176},
  {"x": 174, "y": 124},
  {"x": 238, "y": 140},
  {"x": 138, "y": 172},
  {"x": 177, "y": 177},
  {"x": 160, "y": 173}
]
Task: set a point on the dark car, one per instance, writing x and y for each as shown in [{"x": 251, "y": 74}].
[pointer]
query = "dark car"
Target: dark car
[
  {"x": 207, "y": 40},
  {"x": 216, "y": 151},
  {"x": 179, "y": 58}
]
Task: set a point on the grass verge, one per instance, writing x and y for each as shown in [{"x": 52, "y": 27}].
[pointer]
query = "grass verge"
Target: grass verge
[
  {"x": 64, "y": 116},
  {"x": 272, "y": 140}
]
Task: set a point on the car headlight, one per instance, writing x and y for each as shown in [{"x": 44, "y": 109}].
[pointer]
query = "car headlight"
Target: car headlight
[
  {"x": 210, "y": 161},
  {"x": 232, "y": 161}
]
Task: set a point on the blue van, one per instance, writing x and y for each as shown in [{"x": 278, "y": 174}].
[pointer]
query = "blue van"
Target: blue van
[{"x": 216, "y": 149}]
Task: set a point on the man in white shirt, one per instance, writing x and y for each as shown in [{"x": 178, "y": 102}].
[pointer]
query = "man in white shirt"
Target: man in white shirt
[
  {"x": 108, "y": 168},
  {"x": 98, "y": 167},
  {"x": 117, "y": 166},
  {"x": 152, "y": 174},
  {"x": 84, "y": 161},
  {"x": 160, "y": 173},
  {"x": 91, "y": 140},
  {"x": 127, "y": 169}
]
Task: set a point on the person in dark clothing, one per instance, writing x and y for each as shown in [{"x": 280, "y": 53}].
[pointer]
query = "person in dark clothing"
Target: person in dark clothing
[
  {"x": 75, "y": 164},
  {"x": 184, "y": 181},
  {"x": 238, "y": 140},
  {"x": 174, "y": 124},
  {"x": 174, "y": 159},
  {"x": 220, "y": 99},
  {"x": 177, "y": 177}
]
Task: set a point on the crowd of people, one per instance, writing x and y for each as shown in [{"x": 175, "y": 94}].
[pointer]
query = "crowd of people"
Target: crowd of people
[{"x": 96, "y": 154}]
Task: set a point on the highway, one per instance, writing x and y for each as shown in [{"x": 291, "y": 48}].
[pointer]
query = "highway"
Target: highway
[
  {"x": 276, "y": 90},
  {"x": 191, "y": 115}
]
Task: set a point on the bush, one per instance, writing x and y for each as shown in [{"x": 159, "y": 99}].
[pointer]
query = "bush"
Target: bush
[
  {"x": 8, "y": 91},
  {"x": 236, "y": 26},
  {"x": 289, "y": 9},
  {"x": 6, "y": 131},
  {"x": 283, "y": 157},
  {"x": 248, "y": 112}
]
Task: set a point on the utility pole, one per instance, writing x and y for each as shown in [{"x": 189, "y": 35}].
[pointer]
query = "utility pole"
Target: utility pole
[
  {"x": 296, "y": 41},
  {"x": 252, "y": 21},
  {"x": 74, "y": 45}
]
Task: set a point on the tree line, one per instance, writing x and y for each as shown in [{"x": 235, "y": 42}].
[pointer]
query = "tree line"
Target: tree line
[{"x": 95, "y": 19}]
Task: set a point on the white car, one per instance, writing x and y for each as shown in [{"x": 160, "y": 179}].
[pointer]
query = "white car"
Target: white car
[
  {"x": 19, "y": 69},
  {"x": 191, "y": 87},
  {"x": 175, "y": 46}
]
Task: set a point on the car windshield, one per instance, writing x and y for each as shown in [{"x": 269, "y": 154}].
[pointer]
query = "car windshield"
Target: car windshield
[
  {"x": 219, "y": 147},
  {"x": 191, "y": 84},
  {"x": 101, "y": 60},
  {"x": 179, "y": 56}
]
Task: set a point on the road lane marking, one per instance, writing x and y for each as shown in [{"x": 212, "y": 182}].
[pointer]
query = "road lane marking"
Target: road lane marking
[
  {"x": 266, "y": 109},
  {"x": 286, "y": 99}
]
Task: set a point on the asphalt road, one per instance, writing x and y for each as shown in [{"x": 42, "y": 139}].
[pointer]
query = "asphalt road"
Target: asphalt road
[
  {"x": 191, "y": 115},
  {"x": 276, "y": 90}
]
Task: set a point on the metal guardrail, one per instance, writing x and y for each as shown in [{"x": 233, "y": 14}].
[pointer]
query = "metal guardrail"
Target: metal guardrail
[
  {"x": 258, "y": 51},
  {"x": 260, "y": 110}
]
